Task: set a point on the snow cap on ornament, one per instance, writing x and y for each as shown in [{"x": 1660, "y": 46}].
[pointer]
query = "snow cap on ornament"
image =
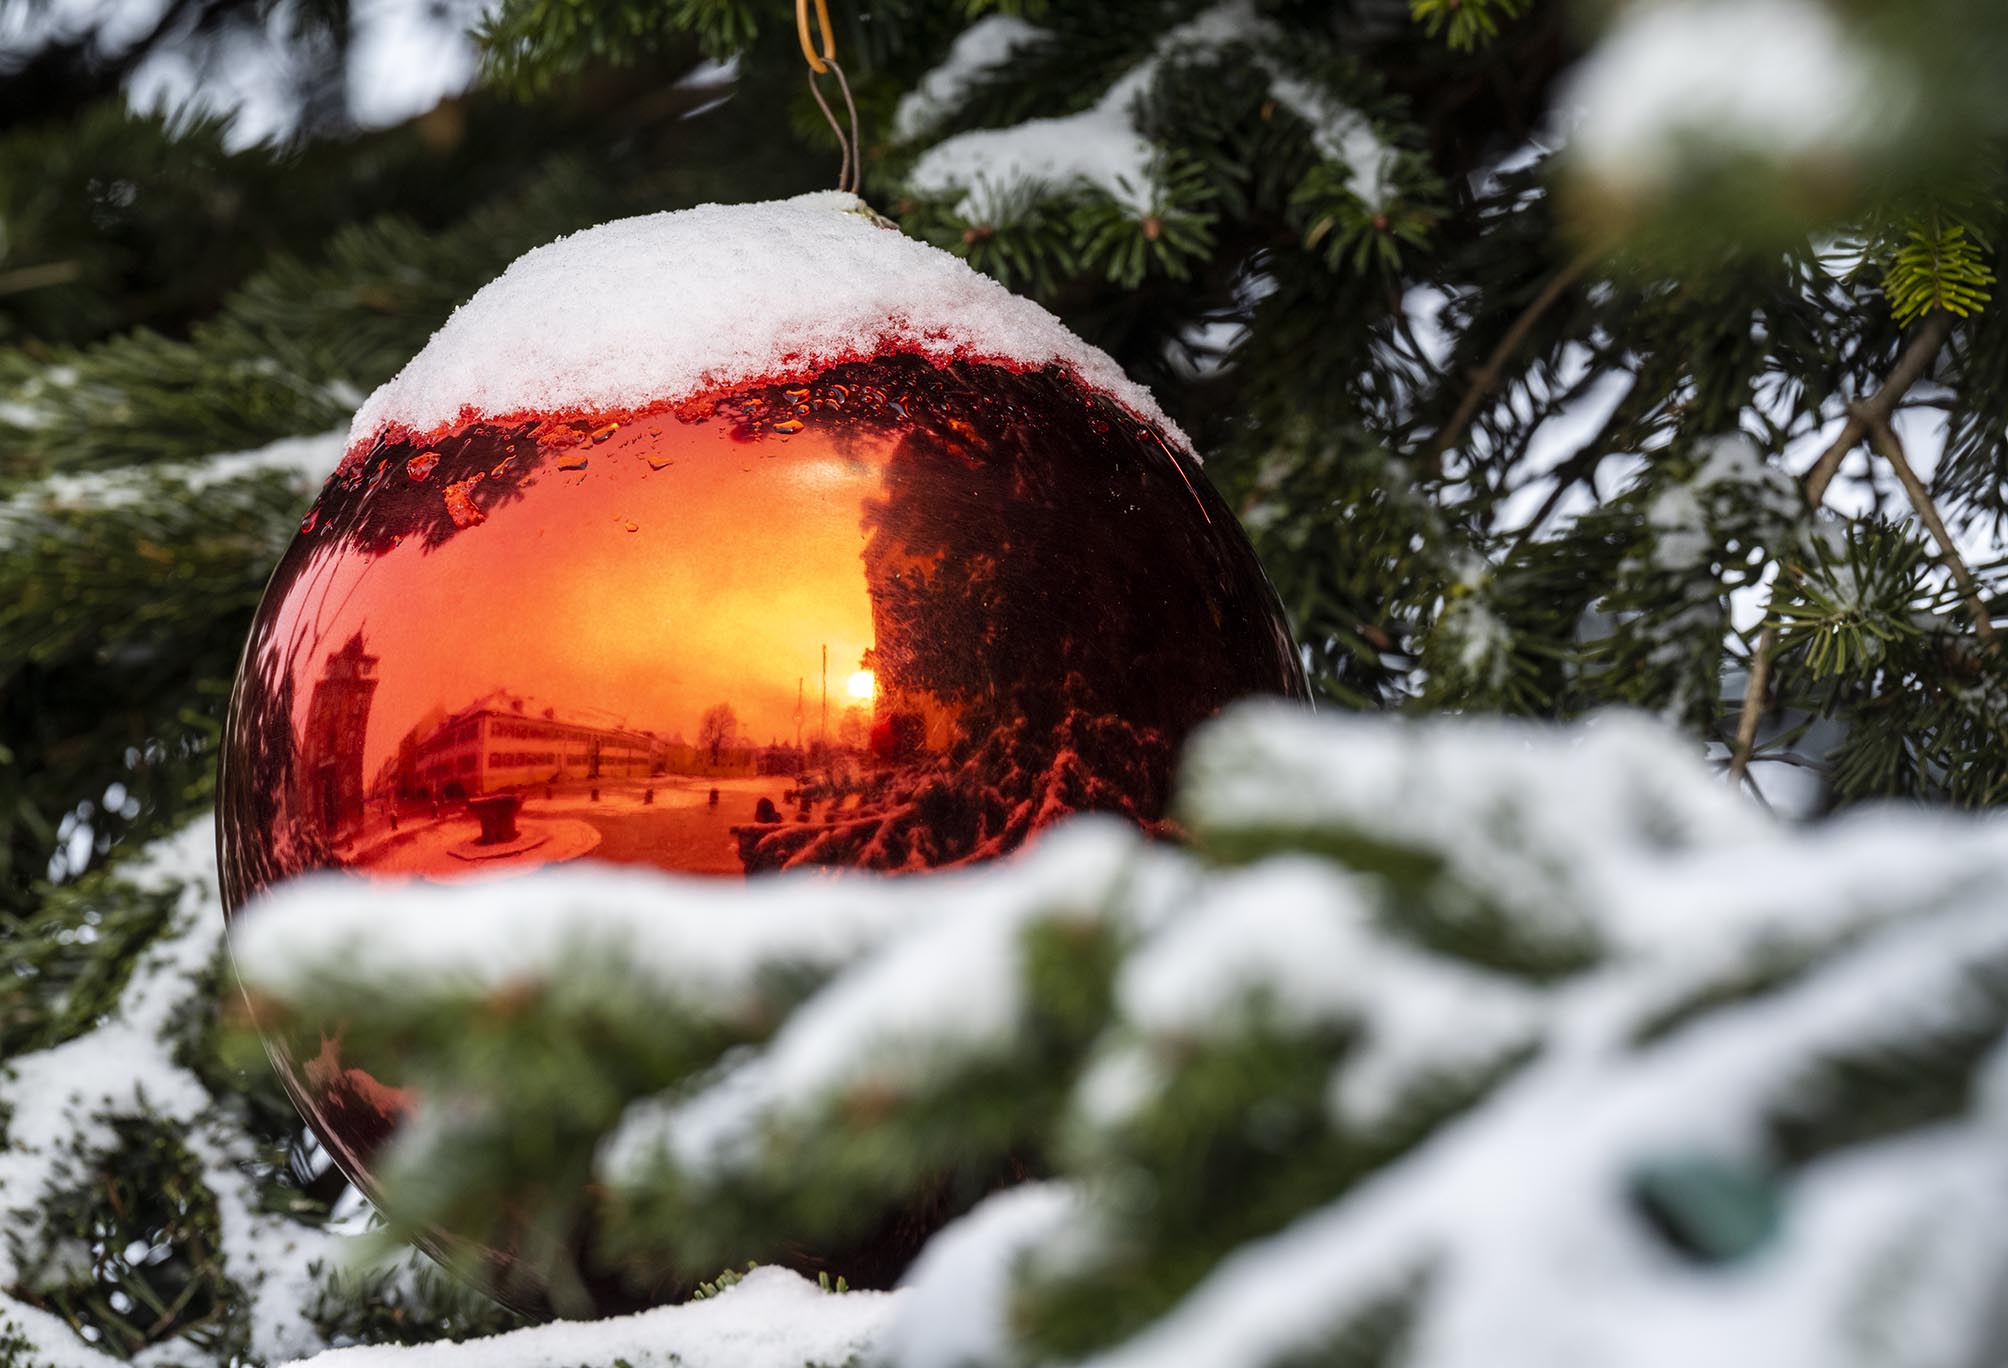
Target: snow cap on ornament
[{"x": 661, "y": 308}]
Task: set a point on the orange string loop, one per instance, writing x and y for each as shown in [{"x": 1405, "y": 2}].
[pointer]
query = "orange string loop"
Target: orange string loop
[{"x": 817, "y": 63}]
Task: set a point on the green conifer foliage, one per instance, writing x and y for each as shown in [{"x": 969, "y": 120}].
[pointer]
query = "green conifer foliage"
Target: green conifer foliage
[{"x": 1524, "y": 417}]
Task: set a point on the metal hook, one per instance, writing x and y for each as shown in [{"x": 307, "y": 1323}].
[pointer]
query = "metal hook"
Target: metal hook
[{"x": 816, "y": 64}]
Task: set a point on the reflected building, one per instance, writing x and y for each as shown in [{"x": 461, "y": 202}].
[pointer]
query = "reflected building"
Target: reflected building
[
  {"x": 330, "y": 772},
  {"x": 501, "y": 741}
]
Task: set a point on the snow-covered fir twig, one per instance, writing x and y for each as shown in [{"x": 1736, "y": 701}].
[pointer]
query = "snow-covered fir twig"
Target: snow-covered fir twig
[{"x": 1529, "y": 1039}]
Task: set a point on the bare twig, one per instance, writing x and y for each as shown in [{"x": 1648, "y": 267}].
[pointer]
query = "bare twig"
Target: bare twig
[
  {"x": 1487, "y": 379},
  {"x": 1862, "y": 419},
  {"x": 1910, "y": 368},
  {"x": 1755, "y": 690},
  {"x": 1890, "y": 447}
]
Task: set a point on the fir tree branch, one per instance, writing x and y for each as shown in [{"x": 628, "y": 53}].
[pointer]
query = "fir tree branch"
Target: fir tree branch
[
  {"x": 1580, "y": 468},
  {"x": 1910, "y": 368},
  {"x": 1488, "y": 376},
  {"x": 1890, "y": 447},
  {"x": 1916, "y": 360}
]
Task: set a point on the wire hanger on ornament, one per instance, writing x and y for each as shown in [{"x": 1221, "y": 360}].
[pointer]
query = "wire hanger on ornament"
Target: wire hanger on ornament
[{"x": 850, "y": 174}]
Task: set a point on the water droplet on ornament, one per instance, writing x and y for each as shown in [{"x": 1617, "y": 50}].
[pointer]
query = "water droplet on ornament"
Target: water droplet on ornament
[
  {"x": 656, "y": 460},
  {"x": 572, "y": 460},
  {"x": 460, "y": 503},
  {"x": 788, "y": 427},
  {"x": 307, "y": 523},
  {"x": 601, "y": 434},
  {"x": 632, "y": 527},
  {"x": 420, "y": 466}
]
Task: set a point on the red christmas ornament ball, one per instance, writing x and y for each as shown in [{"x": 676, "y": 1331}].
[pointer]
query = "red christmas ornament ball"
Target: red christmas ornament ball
[{"x": 894, "y": 613}]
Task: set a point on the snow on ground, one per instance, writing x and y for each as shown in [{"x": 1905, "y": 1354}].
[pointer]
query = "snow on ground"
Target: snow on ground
[
  {"x": 656, "y": 309},
  {"x": 1780, "y": 80},
  {"x": 1102, "y": 147},
  {"x": 771, "y": 1318}
]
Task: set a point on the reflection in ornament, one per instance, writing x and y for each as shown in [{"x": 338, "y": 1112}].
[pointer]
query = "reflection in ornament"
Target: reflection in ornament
[
  {"x": 892, "y": 616},
  {"x": 895, "y": 587}
]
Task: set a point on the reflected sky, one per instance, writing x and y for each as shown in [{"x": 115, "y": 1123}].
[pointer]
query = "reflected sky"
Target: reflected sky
[{"x": 622, "y": 592}]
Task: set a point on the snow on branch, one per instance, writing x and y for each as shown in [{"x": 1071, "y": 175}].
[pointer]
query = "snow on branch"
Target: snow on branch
[
  {"x": 1679, "y": 81},
  {"x": 666, "y": 932},
  {"x": 1538, "y": 1041},
  {"x": 977, "y": 51},
  {"x": 1531, "y": 1213},
  {"x": 65, "y": 1104},
  {"x": 770, "y": 1318},
  {"x": 1551, "y": 829},
  {"x": 1103, "y": 148},
  {"x": 303, "y": 461},
  {"x": 941, "y": 992}
]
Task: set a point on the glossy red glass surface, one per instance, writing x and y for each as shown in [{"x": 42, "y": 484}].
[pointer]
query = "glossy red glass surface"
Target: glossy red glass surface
[{"x": 897, "y": 616}]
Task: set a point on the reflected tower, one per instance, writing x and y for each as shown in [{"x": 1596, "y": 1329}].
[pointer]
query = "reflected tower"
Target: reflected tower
[{"x": 331, "y": 744}]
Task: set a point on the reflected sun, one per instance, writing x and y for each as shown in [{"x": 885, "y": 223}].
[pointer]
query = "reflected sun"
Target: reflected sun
[{"x": 862, "y": 685}]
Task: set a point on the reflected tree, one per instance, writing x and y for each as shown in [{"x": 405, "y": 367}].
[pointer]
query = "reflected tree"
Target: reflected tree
[
  {"x": 1053, "y": 577},
  {"x": 716, "y": 729}
]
